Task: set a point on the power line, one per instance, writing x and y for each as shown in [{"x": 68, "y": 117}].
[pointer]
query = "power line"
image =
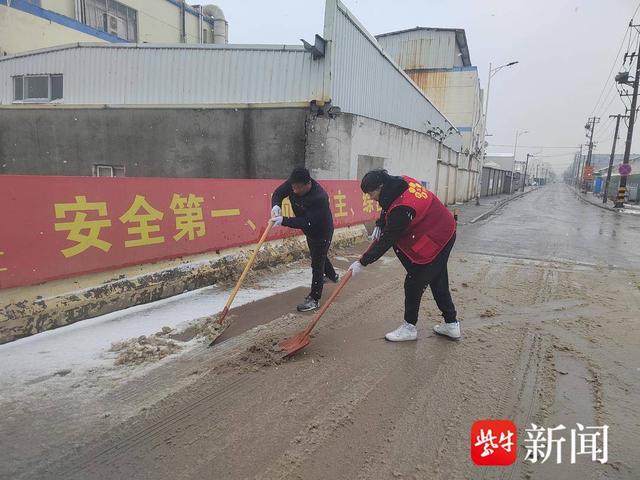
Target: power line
[
  {"x": 604, "y": 131},
  {"x": 555, "y": 155},
  {"x": 613, "y": 66},
  {"x": 608, "y": 97},
  {"x": 528, "y": 146}
]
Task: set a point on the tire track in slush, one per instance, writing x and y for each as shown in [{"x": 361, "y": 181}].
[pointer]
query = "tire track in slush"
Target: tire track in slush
[{"x": 158, "y": 428}]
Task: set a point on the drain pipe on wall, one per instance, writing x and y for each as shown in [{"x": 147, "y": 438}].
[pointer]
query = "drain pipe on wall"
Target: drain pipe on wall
[{"x": 200, "y": 24}]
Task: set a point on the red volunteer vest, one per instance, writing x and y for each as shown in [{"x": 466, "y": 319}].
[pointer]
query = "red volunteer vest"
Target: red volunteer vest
[{"x": 432, "y": 227}]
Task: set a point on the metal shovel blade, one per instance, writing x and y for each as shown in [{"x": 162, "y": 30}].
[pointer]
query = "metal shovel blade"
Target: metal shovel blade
[
  {"x": 294, "y": 344},
  {"x": 220, "y": 321},
  {"x": 300, "y": 340}
]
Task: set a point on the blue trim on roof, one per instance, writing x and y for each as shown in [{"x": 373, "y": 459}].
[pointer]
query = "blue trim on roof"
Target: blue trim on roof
[
  {"x": 62, "y": 20},
  {"x": 464, "y": 129}
]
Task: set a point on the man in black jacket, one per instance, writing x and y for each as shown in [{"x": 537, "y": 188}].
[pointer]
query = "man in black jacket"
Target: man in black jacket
[{"x": 313, "y": 216}]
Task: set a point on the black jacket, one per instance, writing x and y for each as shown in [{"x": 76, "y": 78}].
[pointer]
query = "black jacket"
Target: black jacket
[
  {"x": 394, "y": 224},
  {"x": 313, "y": 215}
]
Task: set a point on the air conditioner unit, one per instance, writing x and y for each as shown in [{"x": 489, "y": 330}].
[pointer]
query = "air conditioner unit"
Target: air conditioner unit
[{"x": 115, "y": 26}]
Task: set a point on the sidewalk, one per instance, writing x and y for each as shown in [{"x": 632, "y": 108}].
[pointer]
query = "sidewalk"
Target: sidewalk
[
  {"x": 469, "y": 212},
  {"x": 589, "y": 197}
]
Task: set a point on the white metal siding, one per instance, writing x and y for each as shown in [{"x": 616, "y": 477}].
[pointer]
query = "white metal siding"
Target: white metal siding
[
  {"x": 161, "y": 75},
  {"x": 422, "y": 49},
  {"x": 364, "y": 81}
]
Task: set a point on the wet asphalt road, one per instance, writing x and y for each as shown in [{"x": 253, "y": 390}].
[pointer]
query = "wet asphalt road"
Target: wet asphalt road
[
  {"x": 535, "y": 348},
  {"x": 552, "y": 224}
]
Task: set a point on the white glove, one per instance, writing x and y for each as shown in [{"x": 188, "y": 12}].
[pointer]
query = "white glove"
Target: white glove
[
  {"x": 376, "y": 233},
  {"x": 276, "y": 211},
  {"x": 356, "y": 268},
  {"x": 277, "y": 221}
]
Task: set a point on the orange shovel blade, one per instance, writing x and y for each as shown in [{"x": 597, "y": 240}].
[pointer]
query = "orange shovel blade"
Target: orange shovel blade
[{"x": 294, "y": 344}]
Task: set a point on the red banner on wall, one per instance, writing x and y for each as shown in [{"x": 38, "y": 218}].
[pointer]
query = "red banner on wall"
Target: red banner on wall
[{"x": 57, "y": 227}]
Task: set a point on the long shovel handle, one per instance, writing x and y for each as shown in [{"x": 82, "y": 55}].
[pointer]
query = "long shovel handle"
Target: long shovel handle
[
  {"x": 246, "y": 270},
  {"x": 329, "y": 301}
]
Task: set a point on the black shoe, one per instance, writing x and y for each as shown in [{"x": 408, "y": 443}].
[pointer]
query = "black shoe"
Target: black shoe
[
  {"x": 308, "y": 305},
  {"x": 334, "y": 279}
]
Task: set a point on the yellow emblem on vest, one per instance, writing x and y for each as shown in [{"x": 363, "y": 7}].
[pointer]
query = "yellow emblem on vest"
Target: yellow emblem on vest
[{"x": 418, "y": 190}]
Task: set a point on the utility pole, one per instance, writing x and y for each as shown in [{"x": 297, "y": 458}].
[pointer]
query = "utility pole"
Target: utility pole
[
  {"x": 515, "y": 149},
  {"x": 591, "y": 126},
  {"x": 613, "y": 153},
  {"x": 619, "y": 203},
  {"x": 526, "y": 166},
  {"x": 578, "y": 172}
]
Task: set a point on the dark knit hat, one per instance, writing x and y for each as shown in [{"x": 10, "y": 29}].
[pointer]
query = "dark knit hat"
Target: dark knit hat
[
  {"x": 300, "y": 175},
  {"x": 374, "y": 179}
]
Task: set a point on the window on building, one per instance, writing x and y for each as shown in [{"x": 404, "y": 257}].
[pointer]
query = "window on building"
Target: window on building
[
  {"x": 205, "y": 35},
  {"x": 367, "y": 163},
  {"x": 37, "y": 88},
  {"x": 108, "y": 171},
  {"x": 112, "y": 17}
]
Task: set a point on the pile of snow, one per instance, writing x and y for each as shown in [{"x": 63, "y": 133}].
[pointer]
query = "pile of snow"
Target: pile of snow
[{"x": 145, "y": 348}]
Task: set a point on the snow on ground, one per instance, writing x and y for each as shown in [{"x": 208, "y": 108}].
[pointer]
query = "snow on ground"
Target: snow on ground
[
  {"x": 631, "y": 211},
  {"x": 84, "y": 345}
]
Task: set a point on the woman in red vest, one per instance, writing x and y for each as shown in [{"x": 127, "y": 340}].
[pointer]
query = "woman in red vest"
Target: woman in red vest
[{"x": 422, "y": 232}]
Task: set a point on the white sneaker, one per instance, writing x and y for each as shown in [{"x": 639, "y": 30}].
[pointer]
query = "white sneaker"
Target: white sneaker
[
  {"x": 403, "y": 333},
  {"x": 451, "y": 330}
]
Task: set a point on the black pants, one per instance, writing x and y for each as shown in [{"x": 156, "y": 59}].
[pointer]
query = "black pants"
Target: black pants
[
  {"x": 320, "y": 264},
  {"x": 432, "y": 274}
]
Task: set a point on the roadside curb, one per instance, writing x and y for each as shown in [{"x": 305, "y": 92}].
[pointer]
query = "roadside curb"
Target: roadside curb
[
  {"x": 27, "y": 315},
  {"x": 582, "y": 199},
  {"x": 500, "y": 205}
]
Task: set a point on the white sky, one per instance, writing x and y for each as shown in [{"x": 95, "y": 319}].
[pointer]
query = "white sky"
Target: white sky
[{"x": 566, "y": 49}]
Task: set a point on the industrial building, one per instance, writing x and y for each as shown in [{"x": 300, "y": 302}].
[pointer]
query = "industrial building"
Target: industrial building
[
  {"x": 438, "y": 61},
  {"x": 227, "y": 111},
  {"x": 27, "y": 25}
]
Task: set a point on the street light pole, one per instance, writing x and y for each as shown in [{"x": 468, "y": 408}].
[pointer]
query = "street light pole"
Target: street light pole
[{"x": 492, "y": 72}]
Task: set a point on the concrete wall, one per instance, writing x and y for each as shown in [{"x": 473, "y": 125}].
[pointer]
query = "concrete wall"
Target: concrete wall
[
  {"x": 335, "y": 147},
  {"x": 216, "y": 143},
  {"x": 63, "y": 7},
  {"x": 345, "y": 146},
  {"x": 159, "y": 22},
  {"x": 223, "y": 143}
]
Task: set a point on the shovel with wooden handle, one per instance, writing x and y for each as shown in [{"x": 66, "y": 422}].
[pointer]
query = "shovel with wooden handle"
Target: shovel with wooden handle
[
  {"x": 300, "y": 340},
  {"x": 226, "y": 308}
]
